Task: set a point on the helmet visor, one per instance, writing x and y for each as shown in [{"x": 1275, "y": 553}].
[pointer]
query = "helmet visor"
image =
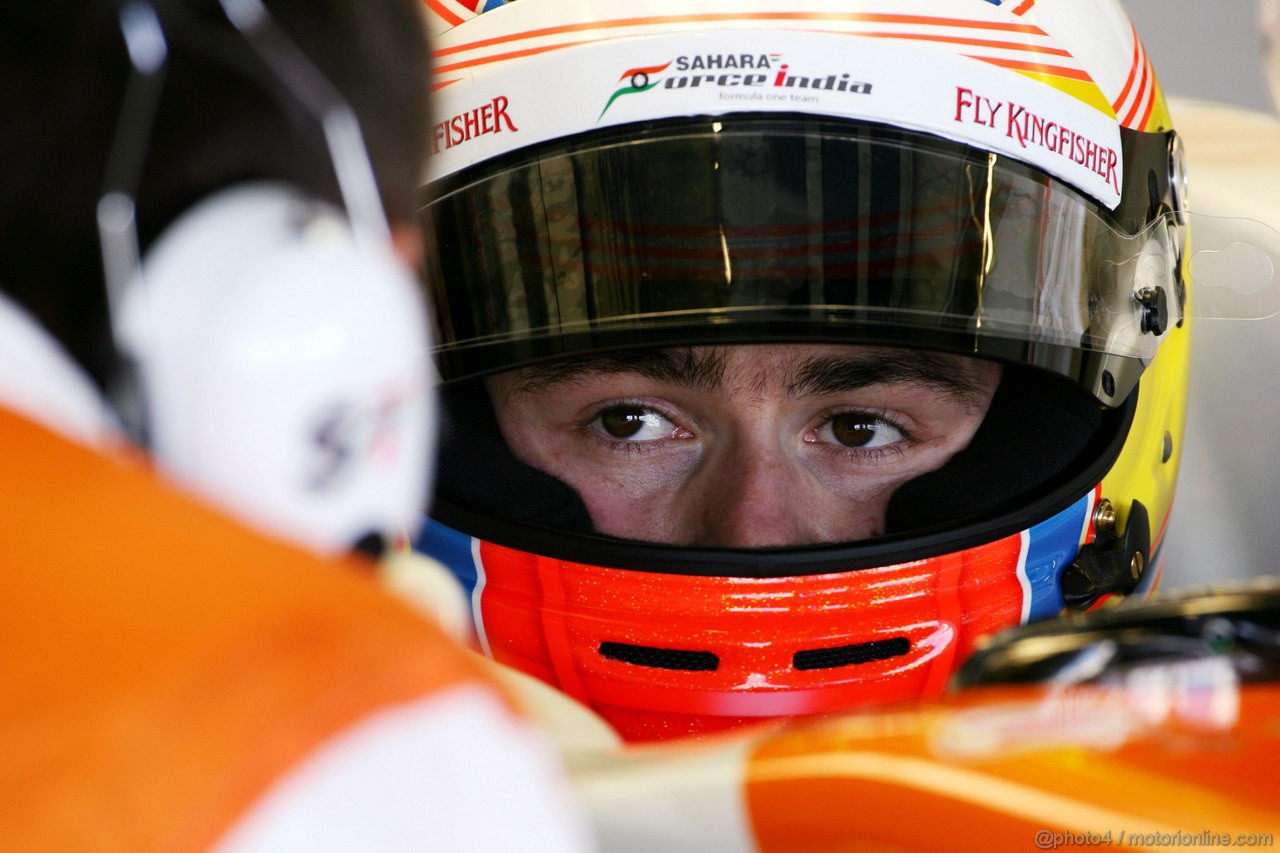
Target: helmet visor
[{"x": 747, "y": 229}]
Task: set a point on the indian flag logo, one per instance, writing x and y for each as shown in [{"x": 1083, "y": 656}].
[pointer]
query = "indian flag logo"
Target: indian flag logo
[{"x": 636, "y": 80}]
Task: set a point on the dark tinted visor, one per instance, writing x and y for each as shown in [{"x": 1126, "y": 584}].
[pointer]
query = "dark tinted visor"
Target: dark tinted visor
[{"x": 749, "y": 229}]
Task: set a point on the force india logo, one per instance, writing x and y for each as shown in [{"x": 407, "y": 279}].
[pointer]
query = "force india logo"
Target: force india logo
[{"x": 745, "y": 76}]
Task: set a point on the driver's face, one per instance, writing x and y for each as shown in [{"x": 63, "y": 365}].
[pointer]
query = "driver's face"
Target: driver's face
[{"x": 743, "y": 446}]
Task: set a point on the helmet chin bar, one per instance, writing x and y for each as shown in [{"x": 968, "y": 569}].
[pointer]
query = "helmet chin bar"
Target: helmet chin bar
[{"x": 1111, "y": 564}]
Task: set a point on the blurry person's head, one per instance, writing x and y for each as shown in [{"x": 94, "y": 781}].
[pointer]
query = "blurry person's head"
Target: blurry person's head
[
  {"x": 1269, "y": 24},
  {"x": 208, "y": 206},
  {"x": 793, "y": 348}
]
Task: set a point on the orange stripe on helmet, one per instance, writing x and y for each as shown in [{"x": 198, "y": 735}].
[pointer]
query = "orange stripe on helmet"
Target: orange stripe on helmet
[
  {"x": 1145, "y": 88},
  {"x": 923, "y": 20},
  {"x": 515, "y": 54},
  {"x": 444, "y": 12},
  {"x": 1036, "y": 67},
  {"x": 992, "y": 43}
]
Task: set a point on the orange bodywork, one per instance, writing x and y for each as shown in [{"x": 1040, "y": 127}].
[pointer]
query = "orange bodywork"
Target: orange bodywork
[
  {"x": 163, "y": 666},
  {"x": 1013, "y": 769}
]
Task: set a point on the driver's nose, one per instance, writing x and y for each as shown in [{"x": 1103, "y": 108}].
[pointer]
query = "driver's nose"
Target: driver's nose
[{"x": 757, "y": 497}]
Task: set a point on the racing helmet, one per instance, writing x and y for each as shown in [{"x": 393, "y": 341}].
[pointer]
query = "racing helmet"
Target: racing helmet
[{"x": 998, "y": 180}]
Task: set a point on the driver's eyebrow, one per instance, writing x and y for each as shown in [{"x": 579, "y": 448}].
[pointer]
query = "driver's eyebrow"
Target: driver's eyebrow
[
  {"x": 701, "y": 369},
  {"x": 835, "y": 374}
]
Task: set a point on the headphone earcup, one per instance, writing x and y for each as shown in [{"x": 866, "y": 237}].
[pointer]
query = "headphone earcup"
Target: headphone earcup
[{"x": 285, "y": 367}]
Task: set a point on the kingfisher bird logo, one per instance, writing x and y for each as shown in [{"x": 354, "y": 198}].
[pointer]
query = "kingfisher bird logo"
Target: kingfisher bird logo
[{"x": 638, "y": 80}]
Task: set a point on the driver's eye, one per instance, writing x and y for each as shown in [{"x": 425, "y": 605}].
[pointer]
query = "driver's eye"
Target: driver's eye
[
  {"x": 624, "y": 421},
  {"x": 854, "y": 430}
]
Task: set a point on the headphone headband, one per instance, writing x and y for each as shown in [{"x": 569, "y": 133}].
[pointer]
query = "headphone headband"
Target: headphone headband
[{"x": 273, "y": 352}]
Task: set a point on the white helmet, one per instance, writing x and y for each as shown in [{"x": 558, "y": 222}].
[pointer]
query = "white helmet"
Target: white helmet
[{"x": 989, "y": 179}]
